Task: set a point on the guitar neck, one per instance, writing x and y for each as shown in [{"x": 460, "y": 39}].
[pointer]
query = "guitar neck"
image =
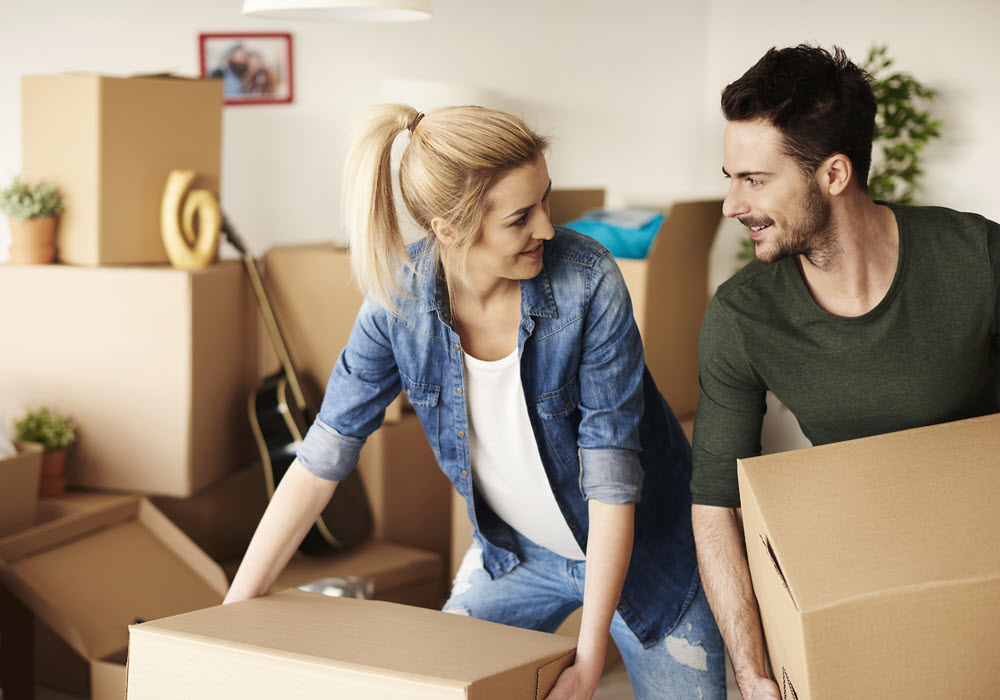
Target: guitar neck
[{"x": 271, "y": 323}]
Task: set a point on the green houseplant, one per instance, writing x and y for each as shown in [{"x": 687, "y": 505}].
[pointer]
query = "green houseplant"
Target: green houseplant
[
  {"x": 32, "y": 212},
  {"x": 56, "y": 434}
]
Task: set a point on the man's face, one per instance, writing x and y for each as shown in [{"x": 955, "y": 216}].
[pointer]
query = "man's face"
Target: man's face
[
  {"x": 238, "y": 61},
  {"x": 784, "y": 208}
]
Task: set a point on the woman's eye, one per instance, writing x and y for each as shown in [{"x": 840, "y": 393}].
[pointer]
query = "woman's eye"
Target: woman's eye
[{"x": 522, "y": 221}]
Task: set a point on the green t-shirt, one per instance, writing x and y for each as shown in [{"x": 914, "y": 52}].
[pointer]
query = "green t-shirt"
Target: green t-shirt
[{"x": 928, "y": 353}]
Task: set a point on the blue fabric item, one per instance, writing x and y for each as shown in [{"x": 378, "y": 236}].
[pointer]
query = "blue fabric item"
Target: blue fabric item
[
  {"x": 603, "y": 429},
  {"x": 614, "y": 233}
]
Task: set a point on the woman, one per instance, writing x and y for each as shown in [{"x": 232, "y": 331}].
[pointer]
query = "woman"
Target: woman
[{"x": 516, "y": 345}]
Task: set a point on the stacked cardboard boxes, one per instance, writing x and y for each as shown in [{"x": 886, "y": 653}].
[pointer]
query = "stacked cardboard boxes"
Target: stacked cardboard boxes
[{"x": 154, "y": 365}]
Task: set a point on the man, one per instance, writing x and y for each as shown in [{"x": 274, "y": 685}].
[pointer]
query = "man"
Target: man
[{"x": 861, "y": 317}]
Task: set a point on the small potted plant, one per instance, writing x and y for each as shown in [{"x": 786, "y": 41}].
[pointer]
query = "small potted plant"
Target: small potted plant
[
  {"x": 32, "y": 212},
  {"x": 55, "y": 433}
]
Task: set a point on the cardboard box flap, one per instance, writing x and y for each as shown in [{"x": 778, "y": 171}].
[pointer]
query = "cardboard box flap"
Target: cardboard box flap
[
  {"x": 92, "y": 573},
  {"x": 368, "y": 636},
  {"x": 829, "y": 552}
]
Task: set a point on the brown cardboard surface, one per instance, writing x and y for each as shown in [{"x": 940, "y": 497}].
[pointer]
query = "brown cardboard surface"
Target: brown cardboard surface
[
  {"x": 111, "y": 160},
  {"x": 669, "y": 288},
  {"x": 91, "y": 573},
  {"x": 296, "y": 644},
  {"x": 315, "y": 302},
  {"x": 153, "y": 364},
  {"x": 875, "y": 565},
  {"x": 409, "y": 494},
  {"x": 19, "y": 488},
  {"x": 221, "y": 518}
]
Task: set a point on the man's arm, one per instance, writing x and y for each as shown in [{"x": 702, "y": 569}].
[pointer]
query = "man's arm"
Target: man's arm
[{"x": 722, "y": 560}]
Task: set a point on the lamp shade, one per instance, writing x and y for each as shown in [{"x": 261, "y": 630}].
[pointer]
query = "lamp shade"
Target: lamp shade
[{"x": 341, "y": 10}]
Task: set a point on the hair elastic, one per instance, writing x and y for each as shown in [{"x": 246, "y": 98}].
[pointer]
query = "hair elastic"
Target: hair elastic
[{"x": 416, "y": 120}]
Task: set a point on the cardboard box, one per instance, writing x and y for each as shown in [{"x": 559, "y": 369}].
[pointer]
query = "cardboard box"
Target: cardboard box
[
  {"x": 315, "y": 302},
  {"x": 153, "y": 364},
  {"x": 669, "y": 288},
  {"x": 221, "y": 518},
  {"x": 19, "y": 488},
  {"x": 403, "y": 575},
  {"x": 111, "y": 160},
  {"x": 876, "y": 565},
  {"x": 296, "y": 644},
  {"x": 92, "y": 573}
]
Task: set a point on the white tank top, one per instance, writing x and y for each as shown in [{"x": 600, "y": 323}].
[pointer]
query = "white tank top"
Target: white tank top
[{"x": 506, "y": 467}]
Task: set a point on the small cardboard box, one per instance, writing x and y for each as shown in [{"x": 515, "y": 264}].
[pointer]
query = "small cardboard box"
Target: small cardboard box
[
  {"x": 876, "y": 564},
  {"x": 315, "y": 302},
  {"x": 19, "y": 488},
  {"x": 296, "y": 644},
  {"x": 92, "y": 573},
  {"x": 669, "y": 288},
  {"x": 153, "y": 364},
  {"x": 111, "y": 160}
]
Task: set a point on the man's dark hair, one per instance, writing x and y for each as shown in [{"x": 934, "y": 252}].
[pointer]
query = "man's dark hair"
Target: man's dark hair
[{"x": 821, "y": 103}]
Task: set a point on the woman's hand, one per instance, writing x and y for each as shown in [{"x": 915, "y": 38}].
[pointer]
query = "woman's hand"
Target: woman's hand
[{"x": 578, "y": 682}]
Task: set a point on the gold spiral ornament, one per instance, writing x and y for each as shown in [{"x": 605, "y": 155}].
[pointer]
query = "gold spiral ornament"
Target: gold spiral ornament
[{"x": 189, "y": 246}]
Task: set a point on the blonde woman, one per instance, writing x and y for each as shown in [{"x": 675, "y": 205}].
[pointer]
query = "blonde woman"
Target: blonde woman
[{"x": 515, "y": 343}]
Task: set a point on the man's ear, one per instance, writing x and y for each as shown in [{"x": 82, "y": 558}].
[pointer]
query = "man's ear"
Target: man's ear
[
  {"x": 835, "y": 174},
  {"x": 443, "y": 231}
]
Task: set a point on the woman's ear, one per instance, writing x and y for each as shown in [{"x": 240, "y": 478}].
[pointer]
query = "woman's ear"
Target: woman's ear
[
  {"x": 835, "y": 174},
  {"x": 443, "y": 231}
]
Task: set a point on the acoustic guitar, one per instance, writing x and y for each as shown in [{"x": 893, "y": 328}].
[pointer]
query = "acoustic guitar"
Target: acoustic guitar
[{"x": 280, "y": 415}]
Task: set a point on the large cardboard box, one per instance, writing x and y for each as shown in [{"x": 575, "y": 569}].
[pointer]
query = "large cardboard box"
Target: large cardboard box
[
  {"x": 315, "y": 302},
  {"x": 112, "y": 158},
  {"x": 19, "y": 488},
  {"x": 296, "y": 644},
  {"x": 876, "y": 563},
  {"x": 91, "y": 573},
  {"x": 153, "y": 364},
  {"x": 669, "y": 288}
]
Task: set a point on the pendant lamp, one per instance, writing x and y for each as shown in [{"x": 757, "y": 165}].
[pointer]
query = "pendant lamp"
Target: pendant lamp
[{"x": 340, "y": 10}]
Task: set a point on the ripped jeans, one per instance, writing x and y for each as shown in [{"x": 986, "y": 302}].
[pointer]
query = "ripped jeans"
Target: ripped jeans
[{"x": 545, "y": 588}]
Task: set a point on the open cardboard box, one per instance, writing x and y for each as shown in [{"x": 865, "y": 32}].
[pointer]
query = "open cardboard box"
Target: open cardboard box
[
  {"x": 153, "y": 364},
  {"x": 97, "y": 569},
  {"x": 669, "y": 288},
  {"x": 296, "y": 644},
  {"x": 112, "y": 159},
  {"x": 19, "y": 487},
  {"x": 876, "y": 563}
]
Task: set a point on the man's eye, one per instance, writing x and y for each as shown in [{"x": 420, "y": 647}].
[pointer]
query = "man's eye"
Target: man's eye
[{"x": 754, "y": 182}]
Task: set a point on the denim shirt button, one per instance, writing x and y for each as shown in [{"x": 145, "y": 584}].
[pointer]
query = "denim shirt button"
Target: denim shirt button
[
  {"x": 622, "y": 607},
  {"x": 457, "y": 346},
  {"x": 461, "y": 433},
  {"x": 465, "y": 473},
  {"x": 569, "y": 406},
  {"x": 459, "y": 390},
  {"x": 572, "y": 526}
]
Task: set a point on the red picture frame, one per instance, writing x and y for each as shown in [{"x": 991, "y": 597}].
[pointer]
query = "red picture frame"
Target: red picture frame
[{"x": 256, "y": 68}]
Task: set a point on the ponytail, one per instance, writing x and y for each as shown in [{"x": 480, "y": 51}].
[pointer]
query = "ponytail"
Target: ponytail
[{"x": 377, "y": 249}]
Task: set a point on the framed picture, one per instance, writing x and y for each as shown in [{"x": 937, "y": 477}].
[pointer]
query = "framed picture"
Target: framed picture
[{"x": 255, "y": 68}]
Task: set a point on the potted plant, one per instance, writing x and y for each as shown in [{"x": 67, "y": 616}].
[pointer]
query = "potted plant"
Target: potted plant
[
  {"x": 55, "y": 434},
  {"x": 32, "y": 213}
]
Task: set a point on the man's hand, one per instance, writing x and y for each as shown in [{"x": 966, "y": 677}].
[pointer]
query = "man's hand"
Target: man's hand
[
  {"x": 578, "y": 682},
  {"x": 765, "y": 689}
]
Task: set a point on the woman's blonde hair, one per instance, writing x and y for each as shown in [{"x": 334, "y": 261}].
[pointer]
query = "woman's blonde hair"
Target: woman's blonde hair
[{"x": 455, "y": 155}]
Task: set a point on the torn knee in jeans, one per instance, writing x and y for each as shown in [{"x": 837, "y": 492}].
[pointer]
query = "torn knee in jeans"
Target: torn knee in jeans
[
  {"x": 684, "y": 652},
  {"x": 472, "y": 562},
  {"x": 458, "y": 610}
]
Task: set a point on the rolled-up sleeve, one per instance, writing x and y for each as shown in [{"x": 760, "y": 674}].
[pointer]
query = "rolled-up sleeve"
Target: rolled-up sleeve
[
  {"x": 611, "y": 403},
  {"x": 363, "y": 383}
]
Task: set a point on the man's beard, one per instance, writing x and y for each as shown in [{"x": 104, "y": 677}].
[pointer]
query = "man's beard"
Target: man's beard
[{"x": 811, "y": 236}]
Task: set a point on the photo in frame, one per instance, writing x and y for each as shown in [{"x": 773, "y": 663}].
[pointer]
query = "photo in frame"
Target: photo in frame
[{"x": 256, "y": 68}]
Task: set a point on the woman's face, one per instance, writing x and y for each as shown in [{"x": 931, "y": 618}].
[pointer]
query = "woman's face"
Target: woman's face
[{"x": 514, "y": 230}]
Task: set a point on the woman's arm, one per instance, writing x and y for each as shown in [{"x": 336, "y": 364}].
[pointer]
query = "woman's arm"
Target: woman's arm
[
  {"x": 295, "y": 506},
  {"x": 609, "y": 549}
]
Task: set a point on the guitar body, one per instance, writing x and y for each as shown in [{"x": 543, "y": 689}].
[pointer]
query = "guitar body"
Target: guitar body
[{"x": 279, "y": 427}]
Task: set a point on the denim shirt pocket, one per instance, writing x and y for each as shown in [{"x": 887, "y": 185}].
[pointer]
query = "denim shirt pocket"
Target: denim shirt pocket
[
  {"x": 425, "y": 400},
  {"x": 560, "y": 414}
]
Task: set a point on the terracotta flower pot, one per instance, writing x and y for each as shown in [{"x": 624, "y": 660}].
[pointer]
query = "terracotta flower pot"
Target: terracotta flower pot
[
  {"x": 52, "y": 481},
  {"x": 32, "y": 241}
]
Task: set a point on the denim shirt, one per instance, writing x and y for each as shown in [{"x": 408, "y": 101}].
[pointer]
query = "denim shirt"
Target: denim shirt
[{"x": 603, "y": 430}]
